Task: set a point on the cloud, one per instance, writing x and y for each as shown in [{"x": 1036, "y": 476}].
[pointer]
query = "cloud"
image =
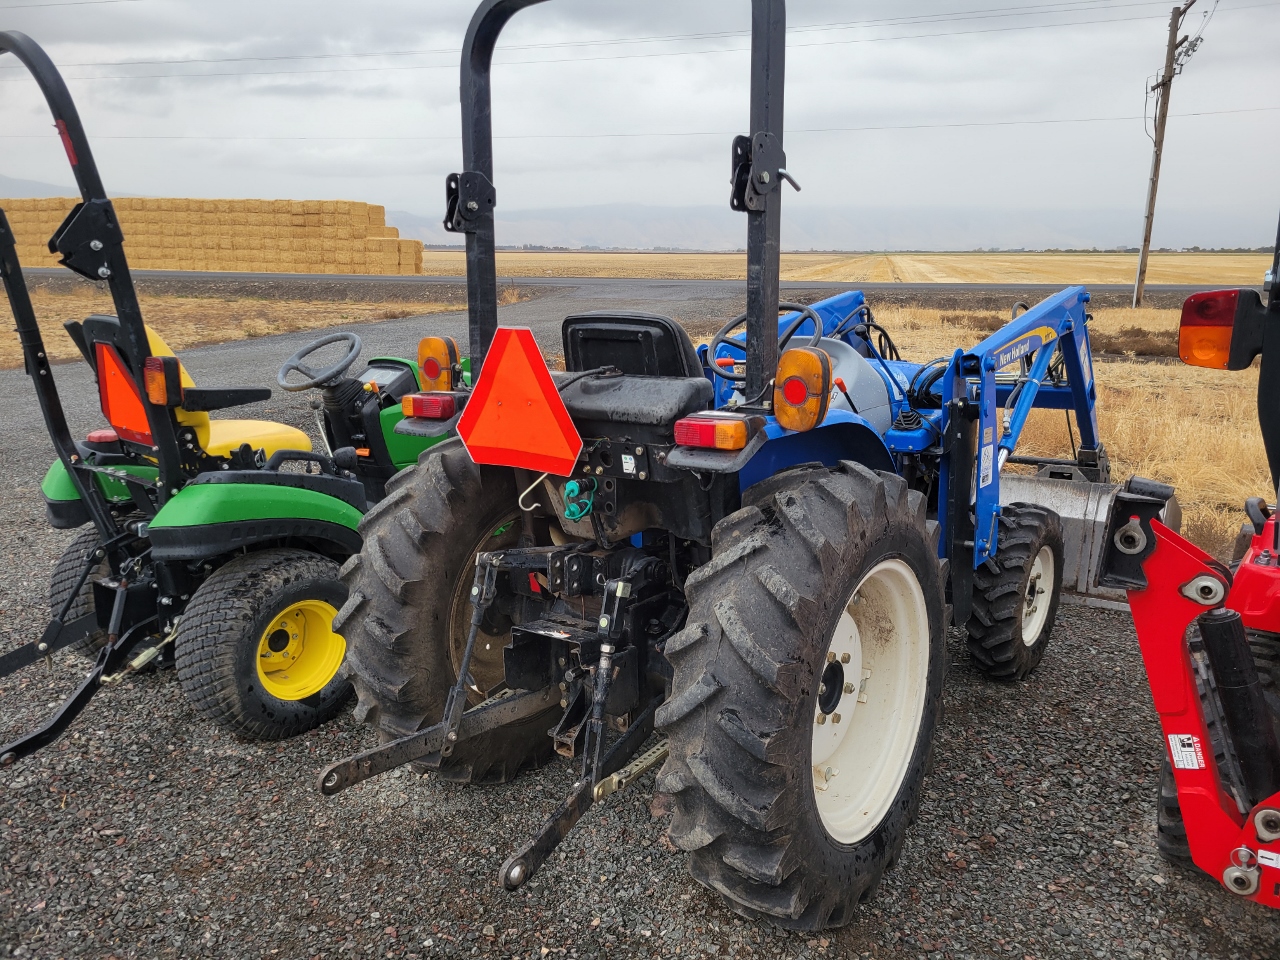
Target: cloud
[{"x": 975, "y": 79}]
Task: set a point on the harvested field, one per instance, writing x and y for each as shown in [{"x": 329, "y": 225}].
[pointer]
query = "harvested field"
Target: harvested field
[
  {"x": 1156, "y": 414},
  {"x": 1195, "y": 268}
]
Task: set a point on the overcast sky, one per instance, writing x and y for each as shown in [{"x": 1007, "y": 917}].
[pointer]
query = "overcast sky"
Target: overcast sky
[{"x": 903, "y": 116}]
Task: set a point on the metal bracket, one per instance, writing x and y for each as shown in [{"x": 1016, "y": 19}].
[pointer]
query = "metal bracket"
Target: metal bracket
[
  {"x": 86, "y": 238},
  {"x": 468, "y": 197},
  {"x": 757, "y": 162}
]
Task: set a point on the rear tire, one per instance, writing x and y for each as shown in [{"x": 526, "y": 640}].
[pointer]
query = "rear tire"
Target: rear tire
[
  {"x": 221, "y": 636},
  {"x": 1015, "y": 596},
  {"x": 1171, "y": 832},
  {"x": 66, "y": 572},
  {"x": 812, "y": 551},
  {"x": 407, "y": 614}
]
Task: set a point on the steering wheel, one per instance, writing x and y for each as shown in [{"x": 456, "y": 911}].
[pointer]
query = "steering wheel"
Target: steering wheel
[
  {"x": 722, "y": 336},
  {"x": 318, "y": 378}
]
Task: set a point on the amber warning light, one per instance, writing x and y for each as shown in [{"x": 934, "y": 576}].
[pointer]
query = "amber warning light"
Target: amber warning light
[{"x": 516, "y": 417}]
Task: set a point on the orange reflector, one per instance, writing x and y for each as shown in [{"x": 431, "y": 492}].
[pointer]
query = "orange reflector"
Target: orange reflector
[
  {"x": 712, "y": 432},
  {"x": 437, "y": 357},
  {"x": 430, "y": 406},
  {"x": 515, "y": 417},
  {"x": 802, "y": 388},
  {"x": 1204, "y": 332},
  {"x": 163, "y": 381},
  {"x": 118, "y": 394},
  {"x": 362, "y": 452}
]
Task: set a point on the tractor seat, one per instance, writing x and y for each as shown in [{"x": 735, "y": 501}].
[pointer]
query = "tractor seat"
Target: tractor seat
[
  {"x": 217, "y": 438},
  {"x": 638, "y": 344}
]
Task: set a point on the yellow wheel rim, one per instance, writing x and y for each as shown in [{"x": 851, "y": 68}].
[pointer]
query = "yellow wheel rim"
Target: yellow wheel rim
[{"x": 298, "y": 653}]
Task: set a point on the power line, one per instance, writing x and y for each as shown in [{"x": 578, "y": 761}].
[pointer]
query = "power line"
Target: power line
[
  {"x": 1038, "y": 9},
  {"x": 637, "y": 56},
  {"x": 650, "y": 135},
  {"x": 68, "y": 3}
]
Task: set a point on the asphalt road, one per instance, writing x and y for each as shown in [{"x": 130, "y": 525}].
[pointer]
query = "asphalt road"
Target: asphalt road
[
  {"x": 146, "y": 832},
  {"x": 611, "y": 291}
]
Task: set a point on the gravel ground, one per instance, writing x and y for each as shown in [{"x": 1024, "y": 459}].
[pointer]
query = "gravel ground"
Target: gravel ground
[{"x": 147, "y": 832}]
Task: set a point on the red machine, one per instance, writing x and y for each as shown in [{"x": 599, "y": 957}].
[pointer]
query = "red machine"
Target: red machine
[{"x": 1208, "y": 632}]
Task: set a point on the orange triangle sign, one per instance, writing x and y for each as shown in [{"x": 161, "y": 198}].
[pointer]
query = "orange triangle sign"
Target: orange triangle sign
[{"x": 515, "y": 417}]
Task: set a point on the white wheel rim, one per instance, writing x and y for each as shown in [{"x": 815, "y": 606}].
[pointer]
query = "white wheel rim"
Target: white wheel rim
[
  {"x": 865, "y": 729},
  {"x": 1037, "y": 597}
]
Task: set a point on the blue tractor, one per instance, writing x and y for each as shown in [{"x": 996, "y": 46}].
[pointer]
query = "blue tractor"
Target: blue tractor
[{"x": 754, "y": 548}]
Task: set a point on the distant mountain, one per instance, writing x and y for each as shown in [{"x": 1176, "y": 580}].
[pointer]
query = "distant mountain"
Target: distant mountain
[
  {"x": 24, "y": 189},
  {"x": 639, "y": 227}
]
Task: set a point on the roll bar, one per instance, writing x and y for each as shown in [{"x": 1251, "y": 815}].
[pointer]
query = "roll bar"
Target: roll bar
[
  {"x": 757, "y": 160},
  {"x": 91, "y": 244}
]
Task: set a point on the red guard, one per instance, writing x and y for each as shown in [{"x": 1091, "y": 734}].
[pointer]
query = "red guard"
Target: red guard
[
  {"x": 515, "y": 417},
  {"x": 1216, "y": 832}
]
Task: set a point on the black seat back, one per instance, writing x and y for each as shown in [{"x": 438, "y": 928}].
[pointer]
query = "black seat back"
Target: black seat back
[{"x": 638, "y": 344}]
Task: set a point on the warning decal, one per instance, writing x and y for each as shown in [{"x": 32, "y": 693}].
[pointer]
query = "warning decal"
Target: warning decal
[
  {"x": 1184, "y": 750},
  {"x": 1269, "y": 859}
]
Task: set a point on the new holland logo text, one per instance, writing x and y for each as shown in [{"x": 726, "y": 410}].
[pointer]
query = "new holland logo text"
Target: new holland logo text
[{"x": 1027, "y": 344}]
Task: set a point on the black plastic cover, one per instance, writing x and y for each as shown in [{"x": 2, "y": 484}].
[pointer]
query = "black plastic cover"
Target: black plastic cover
[
  {"x": 638, "y": 344},
  {"x": 220, "y": 398}
]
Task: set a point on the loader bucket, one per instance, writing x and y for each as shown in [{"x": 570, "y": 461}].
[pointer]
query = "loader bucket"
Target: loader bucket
[{"x": 1085, "y": 508}]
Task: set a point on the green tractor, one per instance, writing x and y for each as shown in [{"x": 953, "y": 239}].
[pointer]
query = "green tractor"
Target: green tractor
[{"x": 210, "y": 544}]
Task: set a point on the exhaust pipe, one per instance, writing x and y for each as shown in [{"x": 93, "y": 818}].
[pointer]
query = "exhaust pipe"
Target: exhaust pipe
[{"x": 1247, "y": 717}]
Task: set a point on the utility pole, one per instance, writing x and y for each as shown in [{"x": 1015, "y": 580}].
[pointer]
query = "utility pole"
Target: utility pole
[{"x": 1174, "y": 58}]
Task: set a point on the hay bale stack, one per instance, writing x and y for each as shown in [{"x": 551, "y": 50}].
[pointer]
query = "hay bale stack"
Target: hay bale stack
[{"x": 249, "y": 236}]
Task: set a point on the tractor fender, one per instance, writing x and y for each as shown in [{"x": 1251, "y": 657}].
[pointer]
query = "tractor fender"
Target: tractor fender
[
  {"x": 205, "y": 520},
  {"x": 842, "y": 436},
  {"x": 62, "y": 502}
]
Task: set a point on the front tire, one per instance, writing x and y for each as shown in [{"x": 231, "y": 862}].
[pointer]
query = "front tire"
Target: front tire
[
  {"x": 1015, "y": 595},
  {"x": 769, "y": 710},
  {"x": 256, "y": 647}
]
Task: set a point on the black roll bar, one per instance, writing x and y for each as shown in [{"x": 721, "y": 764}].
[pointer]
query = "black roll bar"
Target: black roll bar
[
  {"x": 91, "y": 244},
  {"x": 471, "y": 197}
]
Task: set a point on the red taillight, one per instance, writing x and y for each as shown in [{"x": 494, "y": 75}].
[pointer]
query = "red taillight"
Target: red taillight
[
  {"x": 712, "y": 433},
  {"x": 1216, "y": 309},
  {"x": 429, "y": 406},
  {"x": 795, "y": 390},
  {"x": 1206, "y": 328}
]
